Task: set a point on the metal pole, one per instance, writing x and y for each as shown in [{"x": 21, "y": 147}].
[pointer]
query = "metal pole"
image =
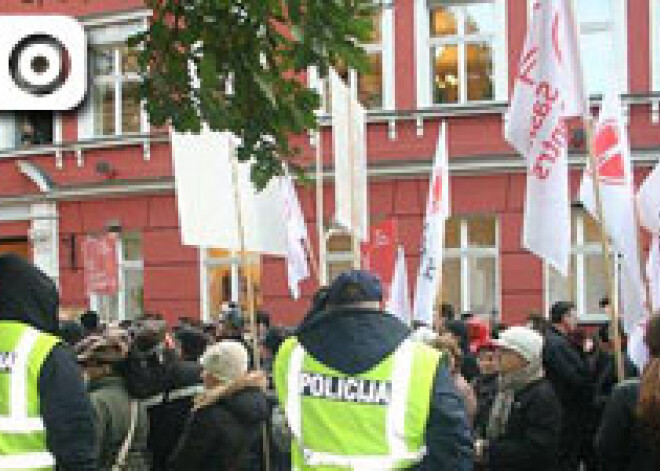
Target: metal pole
[{"x": 323, "y": 272}]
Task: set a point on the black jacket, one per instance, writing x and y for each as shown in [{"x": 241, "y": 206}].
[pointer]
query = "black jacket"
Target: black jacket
[
  {"x": 621, "y": 443},
  {"x": 531, "y": 438},
  {"x": 223, "y": 436},
  {"x": 354, "y": 341},
  {"x": 29, "y": 296},
  {"x": 485, "y": 389}
]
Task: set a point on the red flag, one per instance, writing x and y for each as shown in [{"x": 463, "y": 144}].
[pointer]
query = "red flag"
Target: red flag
[
  {"x": 100, "y": 264},
  {"x": 379, "y": 253}
]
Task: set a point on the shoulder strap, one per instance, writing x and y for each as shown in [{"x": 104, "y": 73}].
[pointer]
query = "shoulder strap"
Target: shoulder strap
[{"x": 123, "y": 451}]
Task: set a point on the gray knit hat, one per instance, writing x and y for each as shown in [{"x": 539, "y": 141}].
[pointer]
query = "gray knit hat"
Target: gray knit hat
[{"x": 227, "y": 360}]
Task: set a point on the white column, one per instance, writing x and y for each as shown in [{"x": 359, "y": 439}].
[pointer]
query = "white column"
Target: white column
[{"x": 45, "y": 238}]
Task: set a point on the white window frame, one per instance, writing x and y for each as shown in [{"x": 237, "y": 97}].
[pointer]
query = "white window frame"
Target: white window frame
[
  {"x": 206, "y": 262},
  {"x": 109, "y": 33},
  {"x": 620, "y": 39},
  {"x": 424, "y": 43},
  {"x": 655, "y": 44},
  {"x": 387, "y": 50},
  {"x": 123, "y": 265},
  {"x": 466, "y": 252},
  {"x": 580, "y": 249}
]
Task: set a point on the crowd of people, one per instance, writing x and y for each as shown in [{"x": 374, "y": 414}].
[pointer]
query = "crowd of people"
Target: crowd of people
[{"x": 351, "y": 387}]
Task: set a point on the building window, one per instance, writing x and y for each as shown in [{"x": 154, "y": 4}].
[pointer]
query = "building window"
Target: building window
[
  {"x": 225, "y": 279},
  {"x": 128, "y": 303},
  {"x": 374, "y": 88},
  {"x": 462, "y": 51},
  {"x": 586, "y": 284},
  {"x": 340, "y": 253},
  {"x": 113, "y": 106},
  {"x": 655, "y": 45},
  {"x": 25, "y": 129},
  {"x": 470, "y": 270}
]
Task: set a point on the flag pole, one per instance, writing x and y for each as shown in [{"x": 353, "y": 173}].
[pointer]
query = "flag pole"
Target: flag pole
[
  {"x": 607, "y": 256},
  {"x": 322, "y": 274},
  {"x": 351, "y": 151},
  {"x": 250, "y": 291}
]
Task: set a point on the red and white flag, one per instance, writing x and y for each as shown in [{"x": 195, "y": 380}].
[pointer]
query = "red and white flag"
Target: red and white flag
[
  {"x": 296, "y": 236},
  {"x": 437, "y": 212},
  {"x": 399, "y": 298},
  {"x": 615, "y": 180},
  {"x": 547, "y": 90},
  {"x": 653, "y": 273},
  {"x": 379, "y": 253},
  {"x": 101, "y": 264},
  {"x": 349, "y": 139}
]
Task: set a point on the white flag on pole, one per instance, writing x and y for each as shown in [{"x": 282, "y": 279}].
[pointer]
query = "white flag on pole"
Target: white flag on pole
[
  {"x": 548, "y": 88},
  {"x": 349, "y": 136},
  {"x": 437, "y": 212},
  {"x": 399, "y": 299},
  {"x": 615, "y": 179},
  {"x": 648, "y": 202},
  {"x": 653, "y": 273},
  {"x": 296, "y": 235},
  {"x": 206, "y": 199}
]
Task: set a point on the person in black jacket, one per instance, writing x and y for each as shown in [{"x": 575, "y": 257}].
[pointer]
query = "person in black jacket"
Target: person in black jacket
[
  {"x": 567, "y": 370},
  {"x": 629, "y": 435},
  {"x": 354, "y": 339},
  {"x": 27, "y": 295},
  {"x": 224, "y": 429},
  {"x": 485, "y": 385},
  {"x": 525, "y": 419}
]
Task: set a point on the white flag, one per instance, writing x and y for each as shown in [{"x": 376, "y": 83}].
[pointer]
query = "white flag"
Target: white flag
[
  {"x": 206, "y": 197},
  {"x": 349, "y": 138},
  {"x": 399, "y": 299},
  {"x": 296, "y": 235},
  {"x": 648, "y": 202},
  {"x": 548, "y": 88},
  {"x": 615, "y": 180},
  {"x": 437, "y": 212},
  {"x": 653, "y": 273}
]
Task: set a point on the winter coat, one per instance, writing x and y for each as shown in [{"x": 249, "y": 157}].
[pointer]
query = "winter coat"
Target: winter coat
[
  {"x": 621, "y": 444},
  {"x": 224, "y": 435},
  {"x": 112, "y": 407},
  {"x": 29, "y": 296},
  {"x": 531, "y": 438},
  {"x": 169, "y": 410},
  {"x": 355, "y": 340},
  {"x": 485, "y": 389}
]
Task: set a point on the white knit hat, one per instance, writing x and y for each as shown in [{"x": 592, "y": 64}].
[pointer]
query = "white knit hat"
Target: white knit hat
[
  {"x": 522, "y": 340},
  {"x": 227, "y": 360}
]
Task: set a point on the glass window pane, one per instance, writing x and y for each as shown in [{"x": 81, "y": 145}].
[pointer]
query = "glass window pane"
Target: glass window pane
[
  {"x": 253, "y": 272},
  {"x": 445, "y": 74},
  {"x": 597, "y": 60},
  {"x": 129, "y": 63},
  {"x": 340, "y": 243},
  {"x": 376, "y": 35},
  {"x": 591, "y": 229},
  {"x": 451, "y": 282},
  {"x": 108, "y": 308},
  {"x": 480, "y": 18},
  {"x": 590, "y": 11},
  {"x": 444, "y": 21},
  {"x": 104, "y": 109},
  {"x": 134, "y": 296},
  {"x": 132, "y": 246},
  {"x": 337, "y": 268},
  {"x": 370, "y": 85},
  {"x": 219, "y": 279},
  {"x": 480, "y": 72},
  {"x": 562, "y": 288},
  {"x": 218, "y": 253},
  {"x": 103, "y": 61},
  {"x": 130, "y": 108},
  {"x": 483, "y": 285},
  {"x": 594, "y": 284},
  {"x": 453, "y": 233},
  {"x": 481, "y": 232}
]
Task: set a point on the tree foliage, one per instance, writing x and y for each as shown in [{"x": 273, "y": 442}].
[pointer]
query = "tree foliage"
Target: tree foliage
[{"x": 247, "y": 57}]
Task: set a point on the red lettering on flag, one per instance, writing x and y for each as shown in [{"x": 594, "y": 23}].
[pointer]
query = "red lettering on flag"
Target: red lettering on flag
[{"x": 606, "y": 148}]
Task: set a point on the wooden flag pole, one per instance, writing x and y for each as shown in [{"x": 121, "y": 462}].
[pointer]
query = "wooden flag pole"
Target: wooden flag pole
[
  {"x": 322, "y": 274},
  {"x": 607, "y": 256},
  {"x": 250, "y": 293},
  {"x": 357, "y": 262}
]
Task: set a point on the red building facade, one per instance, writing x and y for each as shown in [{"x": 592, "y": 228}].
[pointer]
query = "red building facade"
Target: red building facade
[{"x": 100, "y": 168}]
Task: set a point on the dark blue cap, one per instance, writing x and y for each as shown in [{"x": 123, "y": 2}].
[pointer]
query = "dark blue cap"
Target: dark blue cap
[{"x": 353, "y": 287}]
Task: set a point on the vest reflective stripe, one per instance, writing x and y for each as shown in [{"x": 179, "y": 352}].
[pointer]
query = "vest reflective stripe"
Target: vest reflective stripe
[
  {"x": 22, "y": 431},
  {"x": 36, "y": 460},
  {"x": 399, "y": 448}
]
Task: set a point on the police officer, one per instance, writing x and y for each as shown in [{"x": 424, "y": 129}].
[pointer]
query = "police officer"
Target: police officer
[
  {"x": 359, "y": 394},
  {"x": 46, "y": 418}
]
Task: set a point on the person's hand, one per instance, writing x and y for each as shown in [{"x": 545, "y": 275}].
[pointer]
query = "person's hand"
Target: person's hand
[{"x": 480, "y": 451}]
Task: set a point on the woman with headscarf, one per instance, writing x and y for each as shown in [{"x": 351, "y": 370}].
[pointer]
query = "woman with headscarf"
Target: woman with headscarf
[
  {"x": 525, "y": 420},
  {"x": 629, "y": 435}
]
